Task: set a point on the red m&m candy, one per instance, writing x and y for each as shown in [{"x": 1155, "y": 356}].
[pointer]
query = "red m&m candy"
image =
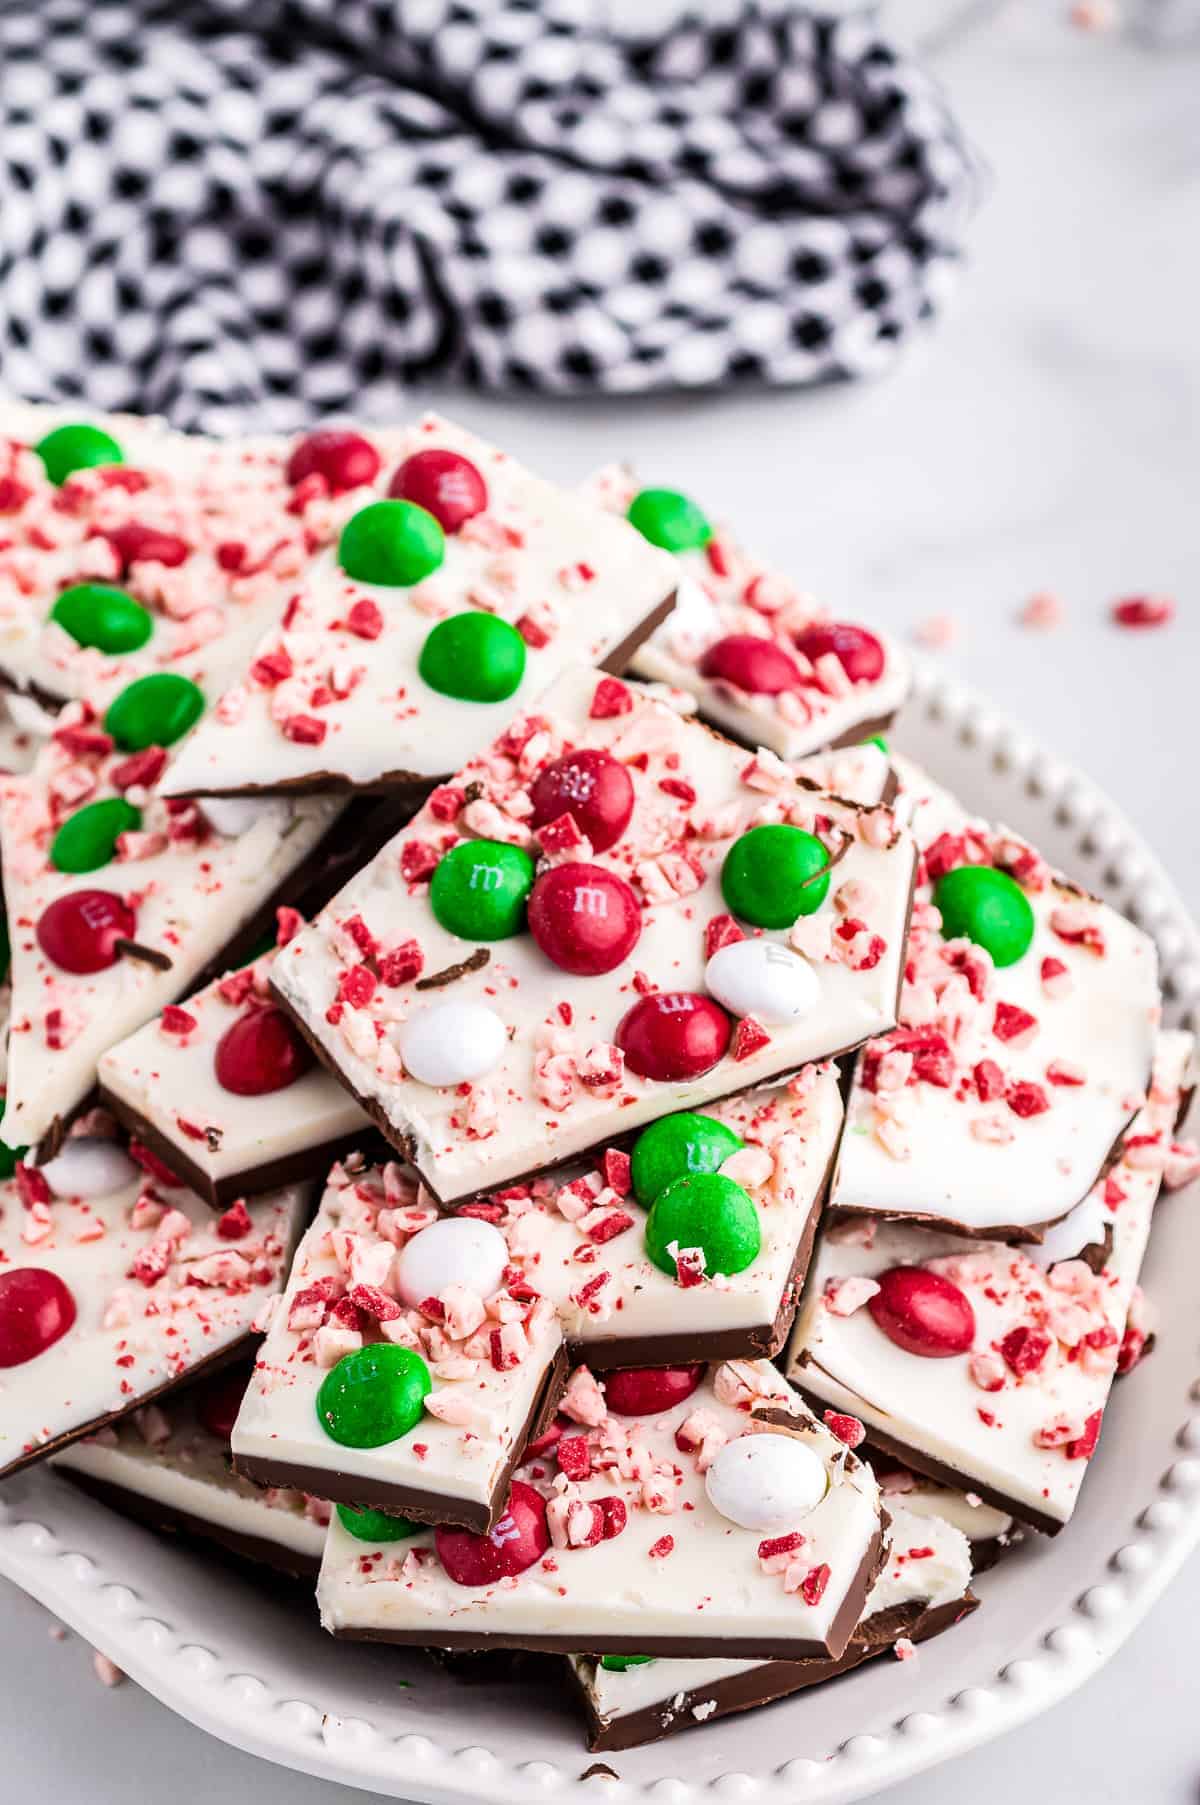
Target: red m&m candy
[
  {"x": 751, "y": 663},
  {"x": 592, "y": 786},
  {"x": 672, "y": 1036},
  {"x": 262, "y": 1051},
  {"x": 345, "y": 459},
  {"x": 923, "y": 1313},
  {"x": 36, "y": 1310},
  {"x": 645, "y": 1390},
  {"x": 516, "y": 1541},
  {"x": 444, "y": 483},
  {"x": 585, "y": 919},
  {"x": 79, "y": 932},
  {"x": 217, "y": 1402},
  {"x": 859, "y": 652}
]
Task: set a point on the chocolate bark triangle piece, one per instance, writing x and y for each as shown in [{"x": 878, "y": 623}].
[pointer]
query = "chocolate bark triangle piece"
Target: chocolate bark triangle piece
[
  {"x": 118, "y": 900},
  {"x": 115, "y": 1287},
  {"x": 582, "y": 996},
  {"x": 922, "y": 1589},
  {"x": 456, "y": 594},
  {"x": 167, "y": 1465},
  {"x": 584, "y": 1235},
  {"x": 765, "y": 662},
  {"x": 697, "y": 1529},
  {"x": 165, "y": 551},
  {"x": 226, "y": 1092},
  {"x": 1026, "y": 1035},
  {"x": 408, "y": 1363},
  {"x": 984, "y": 1365}
]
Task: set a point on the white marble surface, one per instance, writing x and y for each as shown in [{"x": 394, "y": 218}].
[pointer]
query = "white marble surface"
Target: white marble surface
[{"x": 1047, "y": 436}]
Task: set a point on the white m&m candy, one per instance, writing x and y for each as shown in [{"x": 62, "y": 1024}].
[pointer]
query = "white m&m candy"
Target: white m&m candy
[
  {"x": 86, "y": 1167},
  {"x": 765, "y": 1481},
  {"x": 457, "y": 1251},
  {"x": 762, "y": 979},
  {"x": 452, "y": 1043}
]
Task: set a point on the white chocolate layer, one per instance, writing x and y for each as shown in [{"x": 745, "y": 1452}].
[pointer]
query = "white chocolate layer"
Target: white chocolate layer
[
  {"x": 723, "y": 591},
  {"x": 208, "y": 612},
  {"x": 192, "y": 896},
  {"x": 158, "y": 1287},
  {"x": 949, "y": 1152},
  {"x": 559, "y": 1089},
  {"x": 463, "y": 1443},
  {"x": 795, "y": 1127},
  {"x": 678, "y": 1568},
  {"x": 169, "y": 1458},
  {"x": 170, "y": 1079},
  {"x": 574, "y": 580},
  {"x": 937, "y": 1578},
  {"x": 1023, "y": 1437},
  {"x": 18, "y": 744}
]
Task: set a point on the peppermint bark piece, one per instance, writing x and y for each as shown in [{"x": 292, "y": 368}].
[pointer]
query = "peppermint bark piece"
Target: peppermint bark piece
[
  {"x": 168, "y": 1466},
  {"x": 969, "y": 1360},
  {"x": 117, "y": 900},
  {"x": 169, "y": 552},
  {"x": 231, "y": 1098},
  {"x": 19, "y": 743},
  {"x": 765, "y": 662},
  {"x": 584, "y": 1237},
  {"x": 114, "y": 1287},
  {"x": 731, "y": 1523},
  {"x": 407, "y": 1365},
  {"x": 444, "y": 607},
  {"x": 486, "y": 1050},
  {"x": 922, "y": 1589},
  {"x": 1027, "y": 1024}
]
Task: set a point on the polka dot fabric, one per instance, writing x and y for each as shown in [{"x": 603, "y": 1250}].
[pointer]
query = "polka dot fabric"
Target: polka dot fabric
[{"x": 239, "y": 214}]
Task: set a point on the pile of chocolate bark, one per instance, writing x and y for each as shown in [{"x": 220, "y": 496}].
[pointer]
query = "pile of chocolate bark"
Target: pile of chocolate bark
[{"x": 518, "y": 1104}]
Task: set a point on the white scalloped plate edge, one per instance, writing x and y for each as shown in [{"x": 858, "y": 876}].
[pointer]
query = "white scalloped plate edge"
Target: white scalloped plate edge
[{"x": 264, "y": 1717}]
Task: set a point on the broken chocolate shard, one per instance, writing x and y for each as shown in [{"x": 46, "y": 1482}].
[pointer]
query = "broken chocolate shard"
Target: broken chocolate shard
[{"x": 145, "y": 955}]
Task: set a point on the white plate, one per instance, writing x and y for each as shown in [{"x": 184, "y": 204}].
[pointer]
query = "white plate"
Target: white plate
[{"x": 248, "y": 1666}]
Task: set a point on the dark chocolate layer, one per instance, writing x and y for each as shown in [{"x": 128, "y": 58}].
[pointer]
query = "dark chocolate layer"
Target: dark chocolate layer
[
  {"x": 422, "y": 1505},
  {"x": 292, "y": 1168},
  {"x": 772, "y": 1680}
]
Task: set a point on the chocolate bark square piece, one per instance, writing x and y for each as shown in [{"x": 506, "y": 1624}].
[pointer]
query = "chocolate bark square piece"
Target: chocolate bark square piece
[{"x": 610, "y": 915}]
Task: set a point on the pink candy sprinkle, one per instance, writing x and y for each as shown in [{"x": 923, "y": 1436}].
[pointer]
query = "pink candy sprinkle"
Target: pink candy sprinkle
[{"x": 1143, "y": 611}]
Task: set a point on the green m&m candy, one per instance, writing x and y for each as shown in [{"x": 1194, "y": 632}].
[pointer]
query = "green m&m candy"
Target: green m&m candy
[
  {"x": 877, "y": 739},
  {"x": 9, "y": 1155},
  {"x": 669, "y": 519},
  {"x": 619, "y": 1663},
  {"x": 80, "y": 447},
  {"x": 375, "y": 1525},
  {"x": 709, "y": 1212},
  {"x": 480, "y": 888},
  {"x": 774, "y": 874},
  {"x": 474, "y": 657},
  {"x": 391, "y": 542},
  {"x": 979, "y": 903},
  {"x": 675, "y": 1146},
  {"x": 88, "y": 838},
  {"x": 154, "y": 711},
  {"x": 97, "y": 614},
  {"x": 374, "y": 1395}
]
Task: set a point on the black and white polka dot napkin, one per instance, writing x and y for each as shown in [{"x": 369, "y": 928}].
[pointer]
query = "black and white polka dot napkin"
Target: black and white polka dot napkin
[{"x": 250, "y": 212}]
